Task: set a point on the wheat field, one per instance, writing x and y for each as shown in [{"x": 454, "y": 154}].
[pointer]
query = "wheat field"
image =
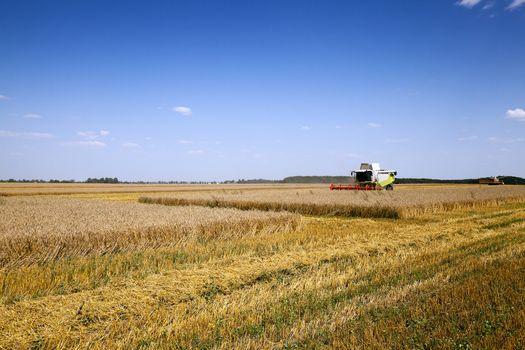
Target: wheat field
[
  {"x": 36, "y": 189},
  {"x": 445, "y": 278},
  {"x": 35, "y": 230},
  {"x": 412, "y": 201}
]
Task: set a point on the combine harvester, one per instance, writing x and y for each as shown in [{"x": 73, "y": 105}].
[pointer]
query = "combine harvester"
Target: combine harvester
[
  {"x": 370, "y": 177},
  {"x": 491, "y": 181}
]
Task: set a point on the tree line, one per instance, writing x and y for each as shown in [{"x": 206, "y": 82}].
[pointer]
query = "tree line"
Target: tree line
[{"x": 509, "y": 180}]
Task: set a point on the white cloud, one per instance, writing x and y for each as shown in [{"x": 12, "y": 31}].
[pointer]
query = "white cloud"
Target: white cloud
[
  {"x": 306, "y": 128},
  {"x": 4, "y": 97},
  {"x": 38, "y": 135},
  {"x": 130, "y": 145},
  {"x": 468, "y": 3},
  {"x": 185, "y": 111},
  {"x": 488, "y": 6},
  {"x": 25, "y": 135},
  {"x": 494, "y": 139},
  {"x": 185, "y": 142},
  {"x": 32, "y": 116},
  {"x": 468, "y": 138},
  {"x": 396, "y": 140},
  {"x": 195, "y": 152},
  {"x": 374, "y": 125},
  {"x": 88, "y": 134},
  {"x": 94, "y": 144},
  {"x": 93, "y": 134},
  {"x": 516, "y": 114},
  {"x": 515, "y": 4}
]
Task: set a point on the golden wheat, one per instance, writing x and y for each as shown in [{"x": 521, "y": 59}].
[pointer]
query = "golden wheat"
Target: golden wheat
[
  {"x": 34, "y": 229},
  {"x": 446, "y": 279},
  {"x": 322, "y": 286},
  {"x": 350, "y": 203},
  {"x": 26, "y": 189}
]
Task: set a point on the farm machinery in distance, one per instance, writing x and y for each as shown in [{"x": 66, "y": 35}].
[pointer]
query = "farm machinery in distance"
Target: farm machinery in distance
[{"x": 369, "y": 177}]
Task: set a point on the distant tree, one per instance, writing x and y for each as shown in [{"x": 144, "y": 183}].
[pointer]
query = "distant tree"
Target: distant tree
[{"x": 103, "y": 180}]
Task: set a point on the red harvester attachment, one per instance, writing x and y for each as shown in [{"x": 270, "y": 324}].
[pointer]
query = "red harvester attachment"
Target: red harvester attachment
[{"x": 368, "y": 187}]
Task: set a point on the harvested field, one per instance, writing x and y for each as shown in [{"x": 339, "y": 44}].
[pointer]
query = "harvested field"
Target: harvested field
[
  {"x": 41, "y": 229},
  {"x": 381, "y": 204},
  {"x": 117, "y": 274},
  {"x": 333, "y": 283}
]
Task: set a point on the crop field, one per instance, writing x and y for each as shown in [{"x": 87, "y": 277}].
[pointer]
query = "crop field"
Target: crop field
[
  {"x": 412, "y": 201},
  {"x": 15, "y": 189},
  {"x": 100, "y": 270},
  {"x": 35, "y": 230}
]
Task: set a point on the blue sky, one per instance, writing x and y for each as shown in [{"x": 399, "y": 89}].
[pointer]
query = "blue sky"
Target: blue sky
[{"x": 215, "y": 90}]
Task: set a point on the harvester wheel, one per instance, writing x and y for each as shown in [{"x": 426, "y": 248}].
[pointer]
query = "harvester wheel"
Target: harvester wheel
[{"x": 389, "y": 187}]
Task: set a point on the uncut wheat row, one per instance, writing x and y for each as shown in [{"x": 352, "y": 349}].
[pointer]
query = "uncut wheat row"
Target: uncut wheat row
[
  {"x": 385, "y": 204},
  {"x": 42, "y": 229}
]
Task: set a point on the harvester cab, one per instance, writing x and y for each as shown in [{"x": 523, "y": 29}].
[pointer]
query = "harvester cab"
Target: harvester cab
[{"x": 369, "y": 177}]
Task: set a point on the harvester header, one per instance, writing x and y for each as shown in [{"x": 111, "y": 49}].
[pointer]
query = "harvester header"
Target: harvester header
[{"x": 369, "y": 177}]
